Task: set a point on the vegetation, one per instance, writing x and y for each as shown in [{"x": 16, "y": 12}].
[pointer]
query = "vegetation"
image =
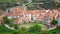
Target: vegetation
[
  {"x": 32, "y": 28},
  {"x": 9, "y": 22},
  {"x": 56, "y": 31},
  {"x": 4, "y": 4},
  {"x": 6, "y": 20},
  {"x": 43, "y": 32},
  {"x": 58, "y": 27},
  {"x": 22, "y": 31},
  {"x": 5, "y": 30},
  {"x": 16, "y": 26},
  {"x": 54, "y": 21},
  {"x": 35, "y": 28}
]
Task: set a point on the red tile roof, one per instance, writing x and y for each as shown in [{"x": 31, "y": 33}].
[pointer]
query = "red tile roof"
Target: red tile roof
[
  {"x": 19, "y": 12},
  {"x": 17, "y": 9}
]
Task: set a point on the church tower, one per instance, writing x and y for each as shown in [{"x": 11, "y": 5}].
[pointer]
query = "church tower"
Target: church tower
[{"x": 24, "y": 8}]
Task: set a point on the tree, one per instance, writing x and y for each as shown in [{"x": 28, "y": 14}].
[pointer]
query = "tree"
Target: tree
[
  {"x": 43, "y": 32},
  {"x": 22, "y": 31},
  {"x": 6, "y": 20},
  {"x": 54, "y": 21},
  {"x": 53, "y": 32},
  {"x": 35, "y": 28},
  {"x": 16, "y": 26},
  {"x": 58, "y": 27}
]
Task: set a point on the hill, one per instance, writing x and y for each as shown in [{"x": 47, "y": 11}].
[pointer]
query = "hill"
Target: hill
[{"x": 47, "y": 4}]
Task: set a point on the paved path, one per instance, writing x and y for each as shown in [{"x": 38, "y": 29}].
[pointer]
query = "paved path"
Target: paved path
[
  {"x": 51, "y": 28},
  {"x": 9, "y": 27}
]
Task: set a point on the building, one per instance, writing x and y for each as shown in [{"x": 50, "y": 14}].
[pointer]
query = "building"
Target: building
[{"x": 24, "y": 15}]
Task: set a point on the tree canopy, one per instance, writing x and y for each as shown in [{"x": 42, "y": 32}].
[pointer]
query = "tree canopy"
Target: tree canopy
[{"x": 54, "y": 21}]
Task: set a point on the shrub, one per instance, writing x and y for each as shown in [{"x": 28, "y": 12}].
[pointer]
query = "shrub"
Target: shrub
[
  {"x": 43, "y": 32},
  {"x": 35, "y": 28},
  {"x": 58, "y": 27},
  {"x": 53, "y": 32},
  {"x": 11, "y": 24},
  {"x": 16, "y": 26},
  {"x": 3, "y": 28},
  {"x": 6, "y": 20},
  {"x": 22, "y": 31},
  {"x": 54, "y": 22},
  {"x": 15, "y": 32}
]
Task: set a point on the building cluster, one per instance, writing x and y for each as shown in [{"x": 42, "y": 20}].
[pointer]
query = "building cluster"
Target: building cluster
[{"x": 24, "y": 15}]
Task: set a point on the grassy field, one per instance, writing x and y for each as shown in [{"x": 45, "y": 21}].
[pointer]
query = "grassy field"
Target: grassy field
[
  {"x": 31, "y": 24},
  {"x": 5, "y": 30},
  {"x": 55, "y": 30},
  {"x": 6, "y": 0}
]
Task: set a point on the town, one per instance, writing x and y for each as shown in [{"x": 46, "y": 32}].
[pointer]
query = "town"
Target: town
[
  {"x": 30, "y": 17},
  {"x": 22, "y": 14}
]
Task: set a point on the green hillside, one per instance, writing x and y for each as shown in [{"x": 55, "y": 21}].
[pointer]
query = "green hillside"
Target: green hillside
[
  {"x": 7, "y": 0},
  {"x": 5, "y": 30},
  {"x": 11, "y": 3}
]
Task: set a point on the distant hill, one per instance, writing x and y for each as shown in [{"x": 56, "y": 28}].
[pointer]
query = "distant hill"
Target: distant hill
[
  {"x": 7, "y": 0},
  {"x": 11, "y": 3}
]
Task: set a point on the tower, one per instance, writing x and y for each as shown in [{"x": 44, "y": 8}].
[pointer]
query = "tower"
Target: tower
[{"x": 24, "y": 8}]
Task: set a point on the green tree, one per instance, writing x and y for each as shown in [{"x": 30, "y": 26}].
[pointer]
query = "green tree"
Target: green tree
[
  {"x": 16, "y": 26},
  {"x": 35, "y": 28},
  {"x": 58, "y": 27},
  {"x": 54, "y": 21},
  {"x": 22, "y": 31},
  {"x": 43, "y": 32},
  {"x": 6, "y": 20}
]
